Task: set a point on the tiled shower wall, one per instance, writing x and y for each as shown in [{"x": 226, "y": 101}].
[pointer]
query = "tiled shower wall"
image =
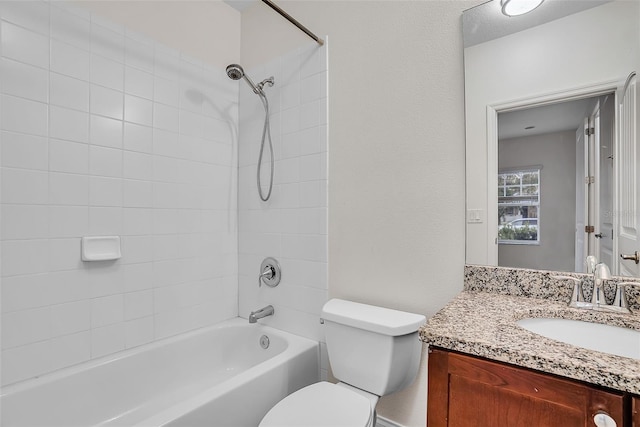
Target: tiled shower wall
[
  {"x": 105, "y": 132},
  {"x": 292, "y": 225}
]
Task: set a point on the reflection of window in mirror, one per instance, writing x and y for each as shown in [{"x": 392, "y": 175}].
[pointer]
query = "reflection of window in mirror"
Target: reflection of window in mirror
[{"x": 519, "y": 206}]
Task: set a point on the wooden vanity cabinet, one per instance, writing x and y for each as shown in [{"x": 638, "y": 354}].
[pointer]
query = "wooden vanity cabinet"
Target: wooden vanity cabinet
[
  {"x": 635, "y": 412},
  {"x": 466, "y": 391}
]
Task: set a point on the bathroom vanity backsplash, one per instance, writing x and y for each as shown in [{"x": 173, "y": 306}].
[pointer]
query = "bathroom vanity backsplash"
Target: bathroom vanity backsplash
[{"x": 540, "y": 284}]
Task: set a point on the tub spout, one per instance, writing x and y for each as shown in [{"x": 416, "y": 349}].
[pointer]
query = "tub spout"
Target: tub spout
[{"x": 259, "y": 314}]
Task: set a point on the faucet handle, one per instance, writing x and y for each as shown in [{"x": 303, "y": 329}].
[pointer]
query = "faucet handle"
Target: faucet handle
[
  {"x": 577, "y": 296},
  {"x": 620, "y": 299}
]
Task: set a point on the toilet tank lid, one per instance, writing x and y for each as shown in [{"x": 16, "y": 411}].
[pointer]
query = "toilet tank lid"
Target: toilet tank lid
[{"x": 372, "y": 318}]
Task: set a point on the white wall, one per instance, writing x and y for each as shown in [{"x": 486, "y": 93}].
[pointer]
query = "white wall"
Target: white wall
[
  {"x": 556, "y": 153},
  {"x": 396, "y": 126},
  {"x": 292, "y": 225},
  {"x": 592, "y": 47},
  {"x": 108, "y": 132}
]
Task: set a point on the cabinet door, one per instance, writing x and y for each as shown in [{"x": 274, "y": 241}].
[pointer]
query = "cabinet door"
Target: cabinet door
[
  {"x": 465, "y": 391},
  {"x": 635, "y": 412}
]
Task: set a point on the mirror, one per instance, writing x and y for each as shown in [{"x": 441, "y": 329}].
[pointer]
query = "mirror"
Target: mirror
[{"x": 562, "y": 68}]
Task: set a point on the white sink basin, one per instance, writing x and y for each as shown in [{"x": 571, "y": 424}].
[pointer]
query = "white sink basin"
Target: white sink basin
[{"x": 593, "y": 336}]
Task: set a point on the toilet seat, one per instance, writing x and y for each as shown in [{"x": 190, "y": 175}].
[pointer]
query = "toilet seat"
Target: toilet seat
[{"x": 321, "y": 404}]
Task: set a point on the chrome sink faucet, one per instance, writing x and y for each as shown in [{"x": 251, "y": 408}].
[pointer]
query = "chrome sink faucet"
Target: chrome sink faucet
[
  {"x": 600, "y": 274},
  {"x": 259, "y": 314}
]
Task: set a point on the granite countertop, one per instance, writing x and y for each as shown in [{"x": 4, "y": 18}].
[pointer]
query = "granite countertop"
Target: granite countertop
[{"x": 484, "y": 324}]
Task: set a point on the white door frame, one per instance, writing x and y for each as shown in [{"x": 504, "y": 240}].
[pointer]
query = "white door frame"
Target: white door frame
[{"x": 492, "y": 145}]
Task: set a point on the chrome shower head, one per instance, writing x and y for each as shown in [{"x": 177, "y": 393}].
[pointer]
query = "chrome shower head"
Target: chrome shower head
[{"x": 235, "y": 72}]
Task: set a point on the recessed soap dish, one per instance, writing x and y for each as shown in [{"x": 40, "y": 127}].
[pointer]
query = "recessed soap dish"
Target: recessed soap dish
[{"x": 101, "y": 248}]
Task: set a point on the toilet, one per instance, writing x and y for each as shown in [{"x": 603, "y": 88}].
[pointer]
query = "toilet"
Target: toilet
[{"x": 373, "y": 351}]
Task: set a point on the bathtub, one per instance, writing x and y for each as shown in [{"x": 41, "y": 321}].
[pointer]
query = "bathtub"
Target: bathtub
[{"x": 216, "y": 376}]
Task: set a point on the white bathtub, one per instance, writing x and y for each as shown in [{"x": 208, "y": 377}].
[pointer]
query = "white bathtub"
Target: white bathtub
[{"x": 218, "y": 376}]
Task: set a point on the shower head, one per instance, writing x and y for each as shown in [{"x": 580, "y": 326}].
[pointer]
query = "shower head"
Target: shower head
[{"x": 235, "y": 72}]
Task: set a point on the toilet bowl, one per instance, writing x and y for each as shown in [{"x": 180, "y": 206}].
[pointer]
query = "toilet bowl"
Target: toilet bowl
[
  {"x": 321, "y": 404},
  {"x": 373, "y": 351}
]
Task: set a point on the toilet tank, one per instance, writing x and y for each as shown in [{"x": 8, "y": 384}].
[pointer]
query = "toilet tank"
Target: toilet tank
[{"x": 372, "y": 348}]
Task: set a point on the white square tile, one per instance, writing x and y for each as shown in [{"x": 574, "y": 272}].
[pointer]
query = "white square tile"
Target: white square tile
[
  {"x": 166, "y": 91},
  {"x": 137, "y": 221},
  {"x": 70, "y": 28},
  {"x": 23, "y": 151},
  {"x": 191, "y": 124},
  {"x": 25, "y": 362},
  {"x": 138, "y": 165},
  {"x": 71, "y": 157},
  {"x": 138, "y": 138},
  {"x": 25, "y": 327},
  {"x": 106, "y": 102},
  {"x": 165, "y": 247},
  {"x": 71, "y": 285},
  {"x": 290, "y": 120},
  {"x": 138, "y": 277},
  {"x": 107, "y": 340},
  {"x": 24, "y": 257},
  {"x": 68, "y": 350},
  {"x": 310, "y": 114},
  {"x": 106, "y": 132},
  {"x": 105, "y": 191},
  {"x": 310, "y": 142},
  {"x": 24, "y": 186},
  {"x": 138, "y": 83},
  {"x": 138, "y": 110},
  {"x": 70, "y": 125},
  {"x": 70, "y": 60},
  {"x": 136, "y": 249},
  {"x": 138, "y": 332},
  {"x": 312, "y": 88},
  {"x": 105, "y": 161},
  {"x": 24, "y": 116},
  {"x": 107, "y": 310},
  {"x": 165, "y": 117},
  {"x": 24, "y": 45},
  {"x": 23, "y": 292},
  {"x": 310, "y": 194},
  {"x": 24, "y": 222},
  {"x": 311, "y": 167},
  {"x": 138, "y": 304},
  {"x": 138, "y": 194},
  {"x": 69, "y": 92},
  {"x": 33, "y": 15},
  {"x": 24, "y": 80},
  {"x": 68, "y": 189},
  {"x": 105, "y": 221},
  {"x": 68, "y": 221},
  {"x": 105, "y": 279},
  {"x": 70, "y": 318},
  {"x": 139, "y": 54},
  {"x": 107, "y": 42},
  {"x": 290, "y": 96},
  {"x": 107, "y": 72},
  {"x": 64, "y": 254}
]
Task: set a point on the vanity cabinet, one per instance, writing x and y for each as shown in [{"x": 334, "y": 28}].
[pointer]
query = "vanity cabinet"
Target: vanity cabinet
[
  {"x": 466, "y": 391},
  {"x": 635, "y": 412}
]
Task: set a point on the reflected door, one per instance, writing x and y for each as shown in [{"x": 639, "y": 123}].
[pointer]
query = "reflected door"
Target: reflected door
[{"x": 628, "y": 227}]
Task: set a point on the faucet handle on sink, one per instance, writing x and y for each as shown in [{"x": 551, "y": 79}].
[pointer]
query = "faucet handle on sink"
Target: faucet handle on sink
[
  {"x": 577, "y": 297},
  {"x": 620, "y": 300}
]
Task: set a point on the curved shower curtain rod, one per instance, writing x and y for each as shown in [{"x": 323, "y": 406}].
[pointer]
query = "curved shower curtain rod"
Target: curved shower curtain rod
[{"x": 291, "y": 19}]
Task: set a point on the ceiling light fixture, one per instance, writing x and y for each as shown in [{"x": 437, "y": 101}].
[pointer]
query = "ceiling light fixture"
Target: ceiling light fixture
[{"x": 519, "y": 7}]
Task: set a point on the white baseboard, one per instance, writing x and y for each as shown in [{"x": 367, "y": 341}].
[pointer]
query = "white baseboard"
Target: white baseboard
[{"x": 384, "y": 422}]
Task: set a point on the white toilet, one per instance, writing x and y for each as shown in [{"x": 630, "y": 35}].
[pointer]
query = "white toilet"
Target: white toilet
[{"x": 373, "y": 352}]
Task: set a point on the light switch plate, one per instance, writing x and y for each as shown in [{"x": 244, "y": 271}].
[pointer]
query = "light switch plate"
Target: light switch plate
[{"x": 475, "y": 216}]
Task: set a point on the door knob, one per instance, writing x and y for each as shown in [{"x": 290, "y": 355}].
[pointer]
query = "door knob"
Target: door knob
[
  {"x": 635, "y": 257},
  {"x": 599, "y": 235},
  {"x": 602, "y": 419}
]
